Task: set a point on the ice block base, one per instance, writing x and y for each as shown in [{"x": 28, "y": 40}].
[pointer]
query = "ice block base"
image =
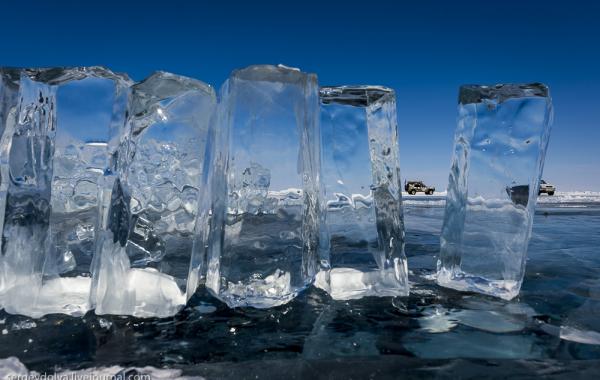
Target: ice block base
[
  {"x": 505, "y": 289},
  {"x": 348, "y": 283}
]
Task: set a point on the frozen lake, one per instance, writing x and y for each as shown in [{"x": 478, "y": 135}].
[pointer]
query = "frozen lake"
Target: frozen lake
[{"x": 553, "y": 327}]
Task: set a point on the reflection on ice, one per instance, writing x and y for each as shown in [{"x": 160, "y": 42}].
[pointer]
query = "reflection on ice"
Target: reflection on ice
[
  {"x": 437, "y": 319},
  {"x": 473, "y": 344}
]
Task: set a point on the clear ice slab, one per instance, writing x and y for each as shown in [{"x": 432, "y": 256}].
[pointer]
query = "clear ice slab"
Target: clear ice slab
[
  {"x": 57, "y": 143},
  {"x": 362, "y": 194},
  {"x": 499, "y": 151},
  {"x": 151, "y": 252},
  {"x": 9, "y": 91},
  {"x": 264, "y": 231}
]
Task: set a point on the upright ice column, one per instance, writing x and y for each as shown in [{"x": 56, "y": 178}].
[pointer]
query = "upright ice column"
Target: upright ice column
[
  {"x": 9, "y": 91},
  {"x": 58, "y": 142},
  {"x": 264, "y": 239},
  {"x": 151, "y": 252},
  {"x": 500, "y": 146},
  {"x": 361, "y": 179}
]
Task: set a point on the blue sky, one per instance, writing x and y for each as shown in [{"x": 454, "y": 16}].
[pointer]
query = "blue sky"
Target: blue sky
[{"x": 422, "y": 49}]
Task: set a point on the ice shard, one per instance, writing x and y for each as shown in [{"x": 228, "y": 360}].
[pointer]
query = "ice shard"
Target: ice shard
[
  {"x": 264, "y": 229},
  {"x": 56, "y": 146},
  {"x": 150, "y": 253},
  {"x": 362, "y": 205},
  {"x": 9, "y": 92},
  {"x": 500, "y": 146}
]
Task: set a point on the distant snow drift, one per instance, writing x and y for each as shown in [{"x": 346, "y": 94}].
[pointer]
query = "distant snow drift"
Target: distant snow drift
[{"x": 559, "y": 198}]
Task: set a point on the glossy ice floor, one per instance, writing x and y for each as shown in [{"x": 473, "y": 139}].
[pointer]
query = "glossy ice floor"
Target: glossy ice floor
[{"x": 553, "y": 327}]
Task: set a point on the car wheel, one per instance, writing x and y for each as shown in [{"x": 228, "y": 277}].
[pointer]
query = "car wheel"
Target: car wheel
[
  {"x": 551, "y": 193},
  {"x": 412, "y": 192}
]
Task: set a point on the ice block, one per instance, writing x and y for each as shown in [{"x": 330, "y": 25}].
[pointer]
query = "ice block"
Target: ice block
[
  {"x": 58, "y": 142},
  {"x": 151, "y": 250},
  {"x": 499, "y": 150},
  {"x": 264, "y": 232},
  {"x": 362, "y": 193}
]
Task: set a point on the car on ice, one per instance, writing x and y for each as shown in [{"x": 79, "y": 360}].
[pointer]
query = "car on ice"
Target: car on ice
[
  {"x": 547, "y": 188},
  {"x": 413, "y": 187}
]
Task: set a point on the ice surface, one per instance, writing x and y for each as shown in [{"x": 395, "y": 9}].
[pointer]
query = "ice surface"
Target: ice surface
[
  {"x": 362, "y": 193},
  {"x": 264, "y": 232},
  {"x": 58, "y": 141},
  {"x": 500, "y": 146},
  {"x": 325, "y": 341},
  {"x": 582, "y": 324},
  {"x": 150, "y": 255},
  {"x": 556, "y": 313},
  {"x": 472, "y": 344}
]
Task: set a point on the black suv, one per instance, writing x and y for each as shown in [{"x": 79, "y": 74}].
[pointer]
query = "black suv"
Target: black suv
[{"x": 412, "y": 187}]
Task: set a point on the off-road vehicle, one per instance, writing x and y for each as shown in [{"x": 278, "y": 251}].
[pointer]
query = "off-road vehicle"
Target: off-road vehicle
[
  {"x": 413, "y": 187},
  {"x": 547, "y": 188}
]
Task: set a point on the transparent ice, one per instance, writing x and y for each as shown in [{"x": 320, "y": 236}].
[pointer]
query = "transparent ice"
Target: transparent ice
[
  {"x": 56, "y": 146},
  {"x": 361, "y": 180},
  {"x": 9, "y": 91},
  {"x": 500, "y": 146},
  {"x": 265, "y": 226},
  {"x": 150, "y": 255}
]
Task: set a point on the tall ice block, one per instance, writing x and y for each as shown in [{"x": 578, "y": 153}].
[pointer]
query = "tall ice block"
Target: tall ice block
[
  {"x": 59, "y": 139},
  {"x": 362, "y": 205},
  {"x": 150, "y": 254},
  {"x": 263, "y": 245},
  {"x": 500, "y": 146},
  {"x": 9, "y": 91}
]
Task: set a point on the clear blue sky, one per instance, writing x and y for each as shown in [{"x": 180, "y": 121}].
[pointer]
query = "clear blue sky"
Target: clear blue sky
[{"x": 422, "y": 49}]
